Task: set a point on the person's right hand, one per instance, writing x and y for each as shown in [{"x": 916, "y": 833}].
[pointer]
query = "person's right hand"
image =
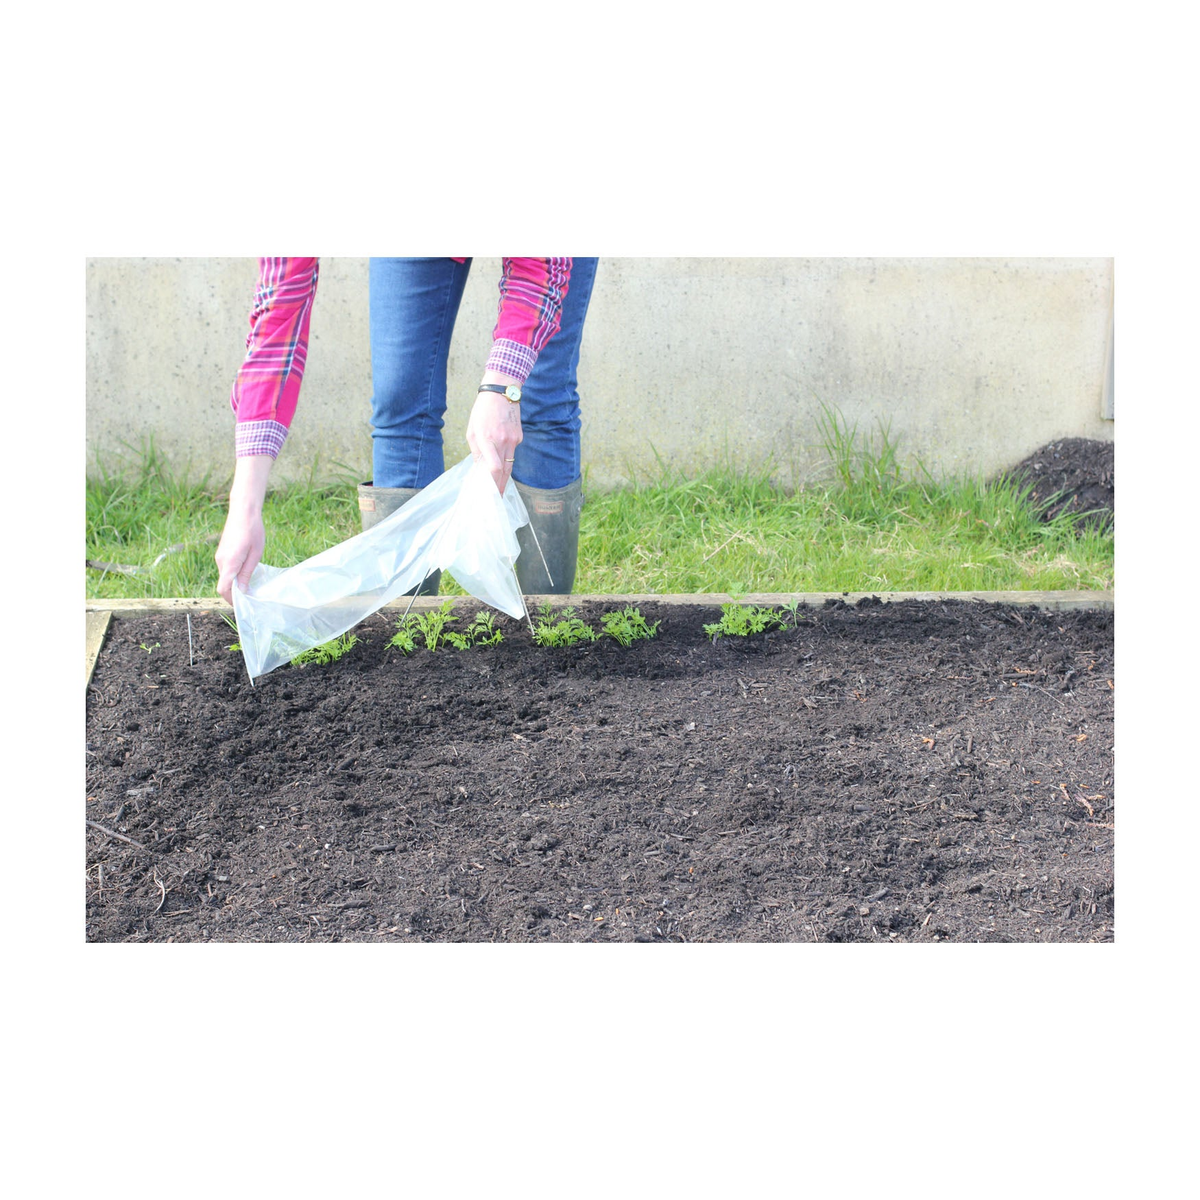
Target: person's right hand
[
  {"x": 244, "y": 536},
  {"x": 494, "y": 430}
]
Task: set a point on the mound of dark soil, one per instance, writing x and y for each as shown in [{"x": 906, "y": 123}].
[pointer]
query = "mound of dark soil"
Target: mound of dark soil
[
  {"x": 914, "y": 771},
  {"x": 1074, "y": 475}
]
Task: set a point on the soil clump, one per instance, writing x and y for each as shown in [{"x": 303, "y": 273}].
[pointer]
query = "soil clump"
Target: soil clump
[{"x": 1074, "y": 475}]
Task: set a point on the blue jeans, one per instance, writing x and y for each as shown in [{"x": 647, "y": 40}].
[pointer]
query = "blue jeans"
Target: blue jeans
[{"x": 413, "y": 305}]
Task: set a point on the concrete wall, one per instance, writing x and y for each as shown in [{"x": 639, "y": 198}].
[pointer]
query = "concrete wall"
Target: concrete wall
[{"x": 974, "y": 362}]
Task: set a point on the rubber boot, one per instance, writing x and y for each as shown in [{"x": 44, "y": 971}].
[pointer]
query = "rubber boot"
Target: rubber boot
[
  {"x": 374, "y": 504},
  {"x": 554, "y": 516}
]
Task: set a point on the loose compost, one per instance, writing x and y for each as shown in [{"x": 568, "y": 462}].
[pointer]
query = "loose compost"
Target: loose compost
[{"x": 914, "y": 771}]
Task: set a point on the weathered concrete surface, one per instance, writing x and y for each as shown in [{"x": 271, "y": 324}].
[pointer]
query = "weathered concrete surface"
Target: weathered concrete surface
[{"x": 972, "y": 362}]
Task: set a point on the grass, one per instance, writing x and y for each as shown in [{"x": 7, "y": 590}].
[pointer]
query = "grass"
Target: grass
[
  {"x": 867, "y": 527},
  {"x": 147, "y": 518}
]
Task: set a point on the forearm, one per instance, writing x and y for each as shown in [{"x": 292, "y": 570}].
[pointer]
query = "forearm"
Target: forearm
[
  {"x": 528, "y": 316},
  {"x": 243, "y": 537},
  {"x": 249, "y": 488},
  {"x": 267, "y": 386}
]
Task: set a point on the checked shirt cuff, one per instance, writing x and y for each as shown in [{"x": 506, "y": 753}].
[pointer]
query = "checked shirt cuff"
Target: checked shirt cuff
[
  {"x": 511, "y": 358},
  {"x": 259, "y": 437}
]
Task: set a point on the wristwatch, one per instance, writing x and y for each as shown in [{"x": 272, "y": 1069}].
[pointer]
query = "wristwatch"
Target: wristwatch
[{"x": 511, "y": 393}]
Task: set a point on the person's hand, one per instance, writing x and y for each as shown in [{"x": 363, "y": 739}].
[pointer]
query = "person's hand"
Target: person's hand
[
  {"x": 244, "y": 535},
  {"x": 494, "y": 430},
  {"x": 239, "y": 552}
]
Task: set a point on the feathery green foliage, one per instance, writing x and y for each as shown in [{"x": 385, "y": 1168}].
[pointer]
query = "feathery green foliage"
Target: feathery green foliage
[
  {"x": 626, "y": 626},
  {"x": 738, "y": 620},
  {"x": 327, "y": 652},
  {"x": 565, "y": 630},
  {"x": 433, "y": 628}
]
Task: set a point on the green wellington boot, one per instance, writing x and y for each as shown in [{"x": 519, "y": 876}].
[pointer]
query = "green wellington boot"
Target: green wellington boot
[
  {"x": 374, "y": 504},
  {"x": 554, "y": 517}
]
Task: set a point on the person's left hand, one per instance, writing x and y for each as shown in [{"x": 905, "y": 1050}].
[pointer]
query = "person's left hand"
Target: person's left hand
[{"x": 494, "y": 431}]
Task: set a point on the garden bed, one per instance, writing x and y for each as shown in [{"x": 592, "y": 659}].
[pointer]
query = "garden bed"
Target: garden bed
[{"x": 916, "y": 771}]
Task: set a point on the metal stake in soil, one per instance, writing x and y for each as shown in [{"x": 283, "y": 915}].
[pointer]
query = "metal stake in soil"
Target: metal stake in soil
[
  {"x": 411, "y": 602},
  {"x": 533, "y": 534}
]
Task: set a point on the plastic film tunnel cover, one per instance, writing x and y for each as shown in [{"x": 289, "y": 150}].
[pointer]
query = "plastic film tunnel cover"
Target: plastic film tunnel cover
[{"x": 459, "y": 523}]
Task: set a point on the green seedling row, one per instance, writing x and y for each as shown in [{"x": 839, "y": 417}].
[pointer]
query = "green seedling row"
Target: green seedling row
[
  {"x": 432, "y": 630},
  {"x": 625, "y": 626},
  {"x": 739, "y": 620}
]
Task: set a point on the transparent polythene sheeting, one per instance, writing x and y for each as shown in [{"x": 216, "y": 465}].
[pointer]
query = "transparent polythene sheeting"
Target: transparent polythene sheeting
[{"x": 459, "y": 523}]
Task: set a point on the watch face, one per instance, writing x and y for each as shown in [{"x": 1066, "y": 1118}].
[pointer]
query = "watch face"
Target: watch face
[{"x": 513, "y": 393}]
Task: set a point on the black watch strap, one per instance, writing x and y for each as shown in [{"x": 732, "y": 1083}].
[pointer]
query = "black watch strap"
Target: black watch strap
[{"x": 504, "y": 390}]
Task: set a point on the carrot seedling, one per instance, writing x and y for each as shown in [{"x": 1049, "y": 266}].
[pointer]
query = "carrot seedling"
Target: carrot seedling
[
  {"x": 433, "y": 630},
  {"x": 626, "y": 626},
  {"x": 482, "y": 631},
  {"x": 327, "y": 652},
  {"x": 237, "y": 646},
  {"x": 739, "y": 620},
  {"x": 568, "y": 630}
]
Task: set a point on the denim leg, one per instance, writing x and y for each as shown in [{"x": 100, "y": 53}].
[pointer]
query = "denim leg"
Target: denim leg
[
  {"x": 549, "y": 454},
  {"x": 413, "y": 304}
]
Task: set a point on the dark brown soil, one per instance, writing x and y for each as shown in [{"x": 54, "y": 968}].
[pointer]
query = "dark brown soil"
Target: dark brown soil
[
  {"x": 909, "y": 772},
  {"x": 1074, "y": 475}
]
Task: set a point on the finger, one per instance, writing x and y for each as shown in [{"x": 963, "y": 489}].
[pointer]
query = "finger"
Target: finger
[
  {"x": 222, "y": 576},
  {"x": 493, "y": 459},
  {"x": 505, "y": 475},
  {"x": 239, "y": 568},
  {"x": 225, "y": 587}
]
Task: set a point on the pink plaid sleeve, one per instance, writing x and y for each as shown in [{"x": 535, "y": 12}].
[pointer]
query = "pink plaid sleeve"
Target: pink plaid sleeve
[
  {"x": 529, "y": 314},
  {"x": 268, "y": 382}
]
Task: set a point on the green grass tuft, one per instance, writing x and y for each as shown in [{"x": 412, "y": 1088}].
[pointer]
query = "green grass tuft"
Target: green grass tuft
[{"x": 868, "y": 527}]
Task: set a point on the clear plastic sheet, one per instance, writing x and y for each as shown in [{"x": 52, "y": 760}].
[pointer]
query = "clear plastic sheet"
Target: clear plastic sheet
[{"x": 459, "y": 523}]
